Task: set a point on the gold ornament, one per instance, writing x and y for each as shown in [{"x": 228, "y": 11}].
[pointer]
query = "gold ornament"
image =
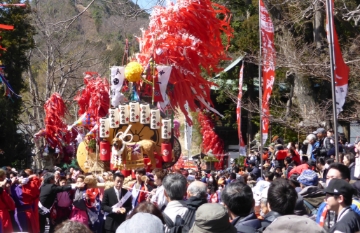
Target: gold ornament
[{"x": 133, "y": 71}]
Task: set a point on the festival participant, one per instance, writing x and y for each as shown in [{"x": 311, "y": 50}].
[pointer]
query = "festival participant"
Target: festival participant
[
  {"x": 158, "y": 196},
  {"x": 79, "y": 209},
  {"x": 140, "y": 188},
  {"x": 112, "y": 196},
  {"x": 48, "y": 192},
  {"x": 6, "y": 204},
  {"x": 64, "y": 203},
  {"x": 24, "y": 196},
  {"x": 31, "y": 193}
]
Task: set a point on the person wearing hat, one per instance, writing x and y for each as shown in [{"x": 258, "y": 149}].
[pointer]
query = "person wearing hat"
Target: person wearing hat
[
  {"x": 294, "y": 224},
  {"x": 311, "y": 195},
  {"x": 338, "y": 199},
  {"x": 212, "y": 218},
  {"x": 326, "y": 218},
  {"x": 141, "y": 222}
]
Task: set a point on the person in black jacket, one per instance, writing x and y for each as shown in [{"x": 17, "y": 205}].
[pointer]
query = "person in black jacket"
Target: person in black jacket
[
  {"x": 48, "y": 192},
  {"x": 239, "y": 201},
  {"x": 112, "y": 196}
]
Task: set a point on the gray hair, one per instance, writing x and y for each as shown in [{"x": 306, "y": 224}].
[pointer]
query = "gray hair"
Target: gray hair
[
  {"x": 175, "y": 186},
  {"x": 311, "y": 137},
  {"x": 48, "y": 177},
  {"x": 197, "y": 189}
]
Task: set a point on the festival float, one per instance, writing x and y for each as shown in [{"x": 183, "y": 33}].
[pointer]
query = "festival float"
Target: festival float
[{"x": 127, "y": 122}]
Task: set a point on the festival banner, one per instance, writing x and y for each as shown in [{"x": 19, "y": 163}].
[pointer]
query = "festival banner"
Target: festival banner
[
  {"x": 242, "y": 150},
  {"x": 117, "y": 74},
  {"x": 162, "y": 82},
  {"x": 188, "y": 130},
  {"x": 268, "y": 65},
  {"x": 341, "y": 72}
]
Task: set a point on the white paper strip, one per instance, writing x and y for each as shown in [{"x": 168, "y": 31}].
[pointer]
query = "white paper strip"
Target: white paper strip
[
  {"x": 134, "y": 111},
  {"x": 124, "y": 114}
]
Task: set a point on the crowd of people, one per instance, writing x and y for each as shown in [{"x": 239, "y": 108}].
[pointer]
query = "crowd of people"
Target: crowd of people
[{"x": 285, "y": 189}]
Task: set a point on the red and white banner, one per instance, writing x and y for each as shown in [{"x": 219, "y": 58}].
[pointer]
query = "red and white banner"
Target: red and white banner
[
  {"x": 242, "y": 150},
  {"x": 268, "y": 65},
  {"x": 341, "y": 71}
]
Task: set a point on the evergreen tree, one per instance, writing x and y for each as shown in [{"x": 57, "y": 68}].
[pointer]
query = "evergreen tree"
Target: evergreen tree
[{"x": 17, "y": 43}]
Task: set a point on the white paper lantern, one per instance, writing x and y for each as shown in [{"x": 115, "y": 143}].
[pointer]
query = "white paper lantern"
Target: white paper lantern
[
  {"x": 124, "y": 114},
  {"x": 144, "y": 113},
  {"x": 134, "y": 112},
  {"x": 155, "y": 119},
  {"x": 166, "y": 129},
  {"x": 114, "y": 118},
  {"x": 104, "y": 130}
]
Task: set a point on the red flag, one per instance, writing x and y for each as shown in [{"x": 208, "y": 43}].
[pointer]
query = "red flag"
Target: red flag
[
  {"x": 6, "y": 27},
  {"x": 341, "y": 69},
  {"x": 268, "y": 65},
  {"x": 238, "y": 109}
]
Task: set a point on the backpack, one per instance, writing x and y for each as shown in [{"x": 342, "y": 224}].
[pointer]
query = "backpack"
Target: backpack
[
  {"x": 182, "y": 224},
  {"x": 313, "y": 210}
]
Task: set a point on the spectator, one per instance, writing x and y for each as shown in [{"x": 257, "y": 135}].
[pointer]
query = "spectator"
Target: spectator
[
  {"x": 299, "y": 169},
  {"x": 294, "y": 224},
  {"x": 311, "y": 195},
  {"x": 197, "y": 196},
  {"x": 141, "y": 223},
  {"x": 281, "y": 200},
  {"x": 326, "y": 218},
  {"x": 212, "y": 218},
  {"x": 320, "y": 166},
  {"x": 73, "y": 227},
  {"x": 175, "y": 190},
  {"x": 146, "y": 207},
  {"x": 158, "y": 197},
  {"x": 239, "y": 201},
  {"x": 338, "y": 199},
  {"x": 255, "y": 171},
  {"x": 349, "y": 161}
]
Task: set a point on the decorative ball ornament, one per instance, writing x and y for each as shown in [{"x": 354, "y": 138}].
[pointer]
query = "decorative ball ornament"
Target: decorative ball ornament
[{"x": 133, "y": 71}]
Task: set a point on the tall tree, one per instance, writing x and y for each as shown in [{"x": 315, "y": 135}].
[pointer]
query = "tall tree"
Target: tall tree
[{"x": 13, "y": 139}]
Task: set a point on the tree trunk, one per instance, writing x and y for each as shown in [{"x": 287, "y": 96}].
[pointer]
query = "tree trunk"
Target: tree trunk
[
  {"x": 319, "y": 19},
  {"x": 303, "y": 92}
]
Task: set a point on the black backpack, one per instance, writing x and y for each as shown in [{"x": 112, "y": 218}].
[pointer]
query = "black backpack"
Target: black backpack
[{"x": 182, "y": 224}]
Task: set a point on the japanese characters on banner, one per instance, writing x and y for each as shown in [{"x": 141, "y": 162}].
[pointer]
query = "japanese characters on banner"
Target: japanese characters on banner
[
  {"x": 188, "y": 130},
  {"x": 104, "y": 127},
  {"x": 117, "y": 80},
  {"x": 163, "y": 80},
  {"x": 242, "y": 150},
  {"x": 268, "y": 65},
  {"x": 341, "y": 72}
]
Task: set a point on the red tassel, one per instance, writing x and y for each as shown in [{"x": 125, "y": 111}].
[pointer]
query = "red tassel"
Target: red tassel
[{"x": 183, "y": 35}]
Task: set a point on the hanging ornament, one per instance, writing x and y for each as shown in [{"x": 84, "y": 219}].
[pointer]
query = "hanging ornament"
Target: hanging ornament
[
  {"x": 166, "y": 129},
  {"x": 124, "y": 114},
  {"x": 104, "y": 127},
  {"x": 144, "y": 113},
  {"x": 155, "y": 118},
  {"x": 114, "y": 118},
  {"x": 133, "y": 71},
  {"x": 134, "y": 111}
]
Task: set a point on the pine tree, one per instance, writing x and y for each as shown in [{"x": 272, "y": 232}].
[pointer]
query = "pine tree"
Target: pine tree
[{"x": 17, "y": 43}]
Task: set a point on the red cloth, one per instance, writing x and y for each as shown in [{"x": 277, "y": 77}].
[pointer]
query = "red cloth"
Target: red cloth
[
  {"x": 31, "y": 192},
  {"x": 6, "y": 204},
  {"x": 281, "y": 154},
  {"x": 91, "y": 193},
  {"x": 296, "y": 157},
  {"x": 265, "y": 156},
  {"x": 299, "y": 169}
]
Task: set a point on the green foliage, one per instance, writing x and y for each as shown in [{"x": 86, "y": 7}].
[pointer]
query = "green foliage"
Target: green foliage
[{"x": 17, "y": 43}]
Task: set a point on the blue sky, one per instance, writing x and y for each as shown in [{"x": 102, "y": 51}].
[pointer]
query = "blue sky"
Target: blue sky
[{"x": 147, "y": 4}]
